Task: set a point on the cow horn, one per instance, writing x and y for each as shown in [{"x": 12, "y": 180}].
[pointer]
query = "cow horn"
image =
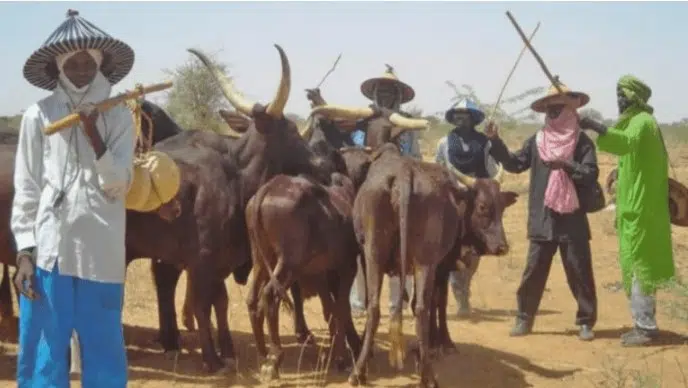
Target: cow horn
[
  {"x": 463, "y": 178},
  {"x": 307, "y": 130},
  {"x": 276, "y": 107},
  {"x": 407, "y": 123},
  {"x": 237, "y": 100},
  {"x": 500, "y": 173},
  {"x": 342, "y": 112}
]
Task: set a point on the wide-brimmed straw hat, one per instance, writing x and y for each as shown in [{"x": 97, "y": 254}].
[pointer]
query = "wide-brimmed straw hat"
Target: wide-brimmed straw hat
[
  {"x": 368, "y": 86},
  {"x": 567, "y": 96},
  {"x": 75, "y": 34},
  {"x": 465, "y": 105},
  {"x": 678, "y": 203}
]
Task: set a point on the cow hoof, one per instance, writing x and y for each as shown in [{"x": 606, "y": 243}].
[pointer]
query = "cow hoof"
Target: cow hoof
[
  {"x": 305, "y": 338},
  {"x": 213, "y": 367},
  {"x": 448, "y": 348},
  {"x": 356, "y": 379},
  {"x": 171, "y": 354},
  {"x": 230, "y": 364},
  {"x": 269, "y": 373},
  {"x": 189, "y": 323}
]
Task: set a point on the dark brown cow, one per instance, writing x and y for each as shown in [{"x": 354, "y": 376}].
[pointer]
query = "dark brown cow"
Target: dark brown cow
[
  {"x": 410, "y": 215},
  {"x": 301, "y": 230}
]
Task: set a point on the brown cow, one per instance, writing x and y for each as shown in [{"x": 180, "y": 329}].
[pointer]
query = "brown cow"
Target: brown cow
[
  {"x": 301, "y": 230},
  {"x": 409, "y": 215}
]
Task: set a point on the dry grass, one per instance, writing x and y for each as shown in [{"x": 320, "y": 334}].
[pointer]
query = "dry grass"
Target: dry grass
[{"x": 487, "y": 357}]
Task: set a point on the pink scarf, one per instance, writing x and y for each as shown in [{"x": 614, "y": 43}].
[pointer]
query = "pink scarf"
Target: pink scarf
[{"x": 557, "y": 141}]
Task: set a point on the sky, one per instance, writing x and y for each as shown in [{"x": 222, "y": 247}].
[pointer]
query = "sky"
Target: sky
[{"x": 588, "y": 44}]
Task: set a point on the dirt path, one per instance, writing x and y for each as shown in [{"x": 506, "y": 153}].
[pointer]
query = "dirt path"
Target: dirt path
[{"x": 487, "y": 356}]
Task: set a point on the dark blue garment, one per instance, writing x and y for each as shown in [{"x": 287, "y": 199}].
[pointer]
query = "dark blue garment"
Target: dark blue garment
[{"x": 466, "y": 151}]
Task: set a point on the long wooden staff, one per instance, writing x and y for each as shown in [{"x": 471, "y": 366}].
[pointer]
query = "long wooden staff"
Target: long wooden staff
[
  {"x": 508, "y": 78},
  {"x": 334, "y": 66},
  {"x": 105, "y": 105},
  {"x": 535, "y": 54}
]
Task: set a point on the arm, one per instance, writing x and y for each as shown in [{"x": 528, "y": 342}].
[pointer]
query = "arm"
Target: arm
[
  {"x": 586, "y": 171},
  {"x": 514, "y": 163},
  {"x": 621, "y": 142},
  {"x": 28, "y": 173},
  {"x": 114, "y": 167}
]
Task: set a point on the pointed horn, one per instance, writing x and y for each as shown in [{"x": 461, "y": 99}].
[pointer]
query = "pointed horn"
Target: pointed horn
[
  {"x": 236, "y": 99},
  {"x": 307, "y": 130},
  {"x": 276, "y": 107},
  {"x": 409, "y": 124},
  {"x": 465, "y": 179},
  {"x": 500, "y": 173},
  {"x": 342, "y": 112}
]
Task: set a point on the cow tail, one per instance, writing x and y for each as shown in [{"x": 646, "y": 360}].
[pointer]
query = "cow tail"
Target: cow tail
[
  {"x": 397, "y": 348},
  {"x": 273, "y": 283}
]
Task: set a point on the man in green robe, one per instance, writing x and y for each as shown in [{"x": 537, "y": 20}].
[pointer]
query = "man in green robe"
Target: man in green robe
[{"x": 642, "y": 204}]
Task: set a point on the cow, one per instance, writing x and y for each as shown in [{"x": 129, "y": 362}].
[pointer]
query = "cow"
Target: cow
[
  {"x": 483, "y": 232},
  {"x": 301, "y": 230},
  {"x": 219, "y": 176}
]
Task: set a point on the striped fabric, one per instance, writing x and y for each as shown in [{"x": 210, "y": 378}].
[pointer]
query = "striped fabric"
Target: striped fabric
[{"x": 75, "y": 34}]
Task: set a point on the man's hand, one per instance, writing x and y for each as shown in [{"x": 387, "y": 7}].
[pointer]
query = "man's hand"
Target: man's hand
[
  {"x": 588, "y": 123},
  {"x": 23, "y": 278},
  {"x": 491, "y": 130},
  {"x": 89, "y": 116}
]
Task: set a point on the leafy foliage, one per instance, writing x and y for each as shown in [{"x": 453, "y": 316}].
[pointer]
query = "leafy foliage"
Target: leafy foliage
[{"x": 194, "y": 100}]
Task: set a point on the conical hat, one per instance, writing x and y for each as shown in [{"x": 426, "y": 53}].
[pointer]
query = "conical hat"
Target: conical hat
[
  {"x": 578, "y": 99},
  {"x": 75, "y": 34},
  {"x": 368, "y": 86},
  {"x": 678, "y": 203}
]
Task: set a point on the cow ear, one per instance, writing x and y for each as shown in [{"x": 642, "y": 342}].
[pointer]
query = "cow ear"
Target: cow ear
[
  {"x": 508, "y": 198},
  {"x": 235, "y": 120}
]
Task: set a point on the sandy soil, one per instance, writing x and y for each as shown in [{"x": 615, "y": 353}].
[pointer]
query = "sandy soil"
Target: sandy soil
[{"x": 487, "y": 357}]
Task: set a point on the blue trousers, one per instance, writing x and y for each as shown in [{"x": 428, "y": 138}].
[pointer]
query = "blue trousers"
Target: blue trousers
[{"x": 65, "y": 304}]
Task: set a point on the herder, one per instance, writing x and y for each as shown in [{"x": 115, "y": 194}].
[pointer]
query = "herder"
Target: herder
[
  {"x": 643, "y": 220},
  {"x": 68, "y": 213},
  {"x": 469, "y": 152},
  {"x": 563, "y": 167}
]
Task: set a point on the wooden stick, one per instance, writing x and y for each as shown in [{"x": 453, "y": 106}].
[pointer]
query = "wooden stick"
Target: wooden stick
[
  {"x": 330, "y": 71},
  {"x": 535, "y": 54},
  {"x": 105, "y": 105},
  {"x": 508, "y": 78}
]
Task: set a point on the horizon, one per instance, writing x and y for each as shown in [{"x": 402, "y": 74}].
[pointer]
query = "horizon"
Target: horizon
[{"x": 465, "y": 42}]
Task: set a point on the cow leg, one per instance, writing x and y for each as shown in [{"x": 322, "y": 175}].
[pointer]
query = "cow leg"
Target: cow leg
[
  {"x": 256, "y": 315},
  {"x": 273, "y": 297},
  {"x": 442, "y": 338},
  {"x": 6, "y": 309},
  {"x": 374, "y": 286},
  {"x": 343, "y": 311},
  {"x": 425, "y": 283},
  {"x": 204, "y": 284},
  {"x": 224, "y": 337},
  {"x": 166, "y": 277},
  {"x": 188, "y": 319},
  {"x": 301, "y": 331},
  {"x": 337, "y": 334}
]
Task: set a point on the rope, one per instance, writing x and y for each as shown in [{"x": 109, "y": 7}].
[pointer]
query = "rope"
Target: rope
[{"x": 142, "y": 143}]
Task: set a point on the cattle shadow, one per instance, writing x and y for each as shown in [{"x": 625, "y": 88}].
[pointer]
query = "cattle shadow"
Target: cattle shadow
[
  {"x": 492, "y": 315},
  {"x": 474, "y": 365},
  {"x": 665, "y": 338}
]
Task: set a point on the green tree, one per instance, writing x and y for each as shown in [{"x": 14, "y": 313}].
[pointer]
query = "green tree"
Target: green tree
[{"x": 194, "y": 100}]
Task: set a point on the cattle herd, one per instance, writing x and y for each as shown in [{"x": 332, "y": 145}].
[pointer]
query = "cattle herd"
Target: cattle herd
[{"x": 301, "y": 210}]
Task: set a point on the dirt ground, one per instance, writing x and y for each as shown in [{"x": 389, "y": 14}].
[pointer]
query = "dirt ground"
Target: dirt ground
[{"x": 487, "y": 357}]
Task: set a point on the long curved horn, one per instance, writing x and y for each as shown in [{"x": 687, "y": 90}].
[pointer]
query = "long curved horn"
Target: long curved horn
[
  {"x": 235, "y": 98},
  {"x": 307, "y": 130},
  {"x": 407, "y": 123},
  {"x": 463, "y": 178},
  {"x": 500, "y": 173},
  {"x": 343, "y": 112},
  {"x": 276, "y": 107}
]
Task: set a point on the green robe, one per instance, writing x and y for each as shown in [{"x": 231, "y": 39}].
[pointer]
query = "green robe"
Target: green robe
[{"x": 642, "y": 200}]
